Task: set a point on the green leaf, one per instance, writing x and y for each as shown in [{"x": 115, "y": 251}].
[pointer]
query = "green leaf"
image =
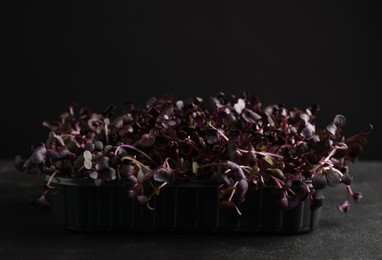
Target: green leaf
[
  {"x": 141, "y": 176},
  {"x": 255, "y": 169},
  {"x": 262, "y": 148},
  {"x": 49, "y": 170},
  {"x": 269, "y": 160},
  {"x": 156, "y": 191},
  {"x": 195, "y": 167},
  {"x": 276, "y": 173},
  {"x": 222, "y": 191}
]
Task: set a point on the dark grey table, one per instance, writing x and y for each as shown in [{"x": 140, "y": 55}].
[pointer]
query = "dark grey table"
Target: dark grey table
[{"x": 26, "y": 233}]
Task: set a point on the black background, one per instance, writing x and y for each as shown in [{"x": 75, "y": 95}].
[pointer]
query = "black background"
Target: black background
[{"x": 97, "y": 54}]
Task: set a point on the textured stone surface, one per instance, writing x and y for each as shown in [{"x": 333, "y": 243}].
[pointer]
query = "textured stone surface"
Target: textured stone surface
[{"x": 26, "y": 233}]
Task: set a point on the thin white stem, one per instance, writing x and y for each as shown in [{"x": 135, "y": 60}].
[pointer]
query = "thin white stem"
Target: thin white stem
[
  {"x": 71, "y": 111},
  {"x": 212, "y": 164},
  {"x": 162, "y": 185},
  {"x": 135, "y": 149},
  {"x": 51, "y": 177},
  {"x": 237, "y": 209},
  {"x": 45, "y": 192},
  {"x": 136, "y": 161},
  {"x": 262, "y": 153},
  {"x": 149, "y": 207},
  {"x": 106, "y": 131},
  {"x": 352, "y": 138},
  {"x": 233, "y": 191},
  {"x": 277, "y": 181},
  {"x": 68, "y": 135},
  {"x": 332, "y": 152},
  {"x": 219, "y": 132}
]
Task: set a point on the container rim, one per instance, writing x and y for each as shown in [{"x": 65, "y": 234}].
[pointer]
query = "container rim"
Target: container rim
[{"x": 69, "y": 181}]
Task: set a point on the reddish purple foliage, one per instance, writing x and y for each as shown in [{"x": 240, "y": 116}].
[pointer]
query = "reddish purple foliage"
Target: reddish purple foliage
[{"x": 234, "y": 142}]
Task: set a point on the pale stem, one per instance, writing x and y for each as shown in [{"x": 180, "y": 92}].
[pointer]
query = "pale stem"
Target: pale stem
[{"x": 135, "y": 149}]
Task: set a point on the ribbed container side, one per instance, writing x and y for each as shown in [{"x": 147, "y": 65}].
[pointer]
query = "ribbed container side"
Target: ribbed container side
[{"x": 191, "y": 208}]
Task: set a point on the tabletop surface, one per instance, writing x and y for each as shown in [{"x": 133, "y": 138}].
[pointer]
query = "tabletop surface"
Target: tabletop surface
[{"x": 27, "y": 233}]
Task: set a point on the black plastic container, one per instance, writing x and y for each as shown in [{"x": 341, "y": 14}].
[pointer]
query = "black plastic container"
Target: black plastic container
[{"x": 181, "y": 207}]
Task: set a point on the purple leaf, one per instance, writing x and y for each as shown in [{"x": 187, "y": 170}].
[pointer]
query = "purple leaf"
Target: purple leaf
[
  {"x": 331, "y": 128},
  {"x": 307, "y": 133},
  {"x": 19, "y": 163},
  {"x": 287, "y": 185},
  {"x": 182, "y": 136},
  {"x": 147, "y": 140},
  {"x": 64, "y": 153},
  {"x": 354, "y": 151},
  {"x": 346, "y": 179},
  {"x": 333, "y": 178},
  {"x": 344, "y": 206},
  {"x": 109, "y": 111},
  {"x": 319, "y": 181},
  {"x": 93, "y": 175},
  {"x": 236, "y": 169},
  {"x": 111, "y": 174},
  {"x": 282, "y": 203},
  {"x": 242, "y": 185},
  {"x": 316, "y": 203},
  {"x": 52, "y": 154},
  {"x": 293, "y": 202},
  {"x": 368, "y": 129},
  {"x": 98, "y": 145},
  {"x": 89, "y": 147},
  {"x": 141, "y": 199},
  {"x": 41, "y": 203},
  {"x": 132, "y": 180},
  {"x": 103, "y": 164},
  {"x": 127, "y": 170},
  {"x": 357, "y": 196},
  {"x": 212, "y": 136},
  {"x": 132, "y": 194},
  {"x": 339, "y": 121},
  {"x": 163, "y": 175},
  {"x": 300, "y": 188},
  {"x": 38, "y": 155},
  {"x": 250, "y": 116},
  {"x": 59, "y": 140}
]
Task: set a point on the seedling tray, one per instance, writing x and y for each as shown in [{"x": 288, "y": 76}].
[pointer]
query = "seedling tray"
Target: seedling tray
[{"x": 193, "y": 206}]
